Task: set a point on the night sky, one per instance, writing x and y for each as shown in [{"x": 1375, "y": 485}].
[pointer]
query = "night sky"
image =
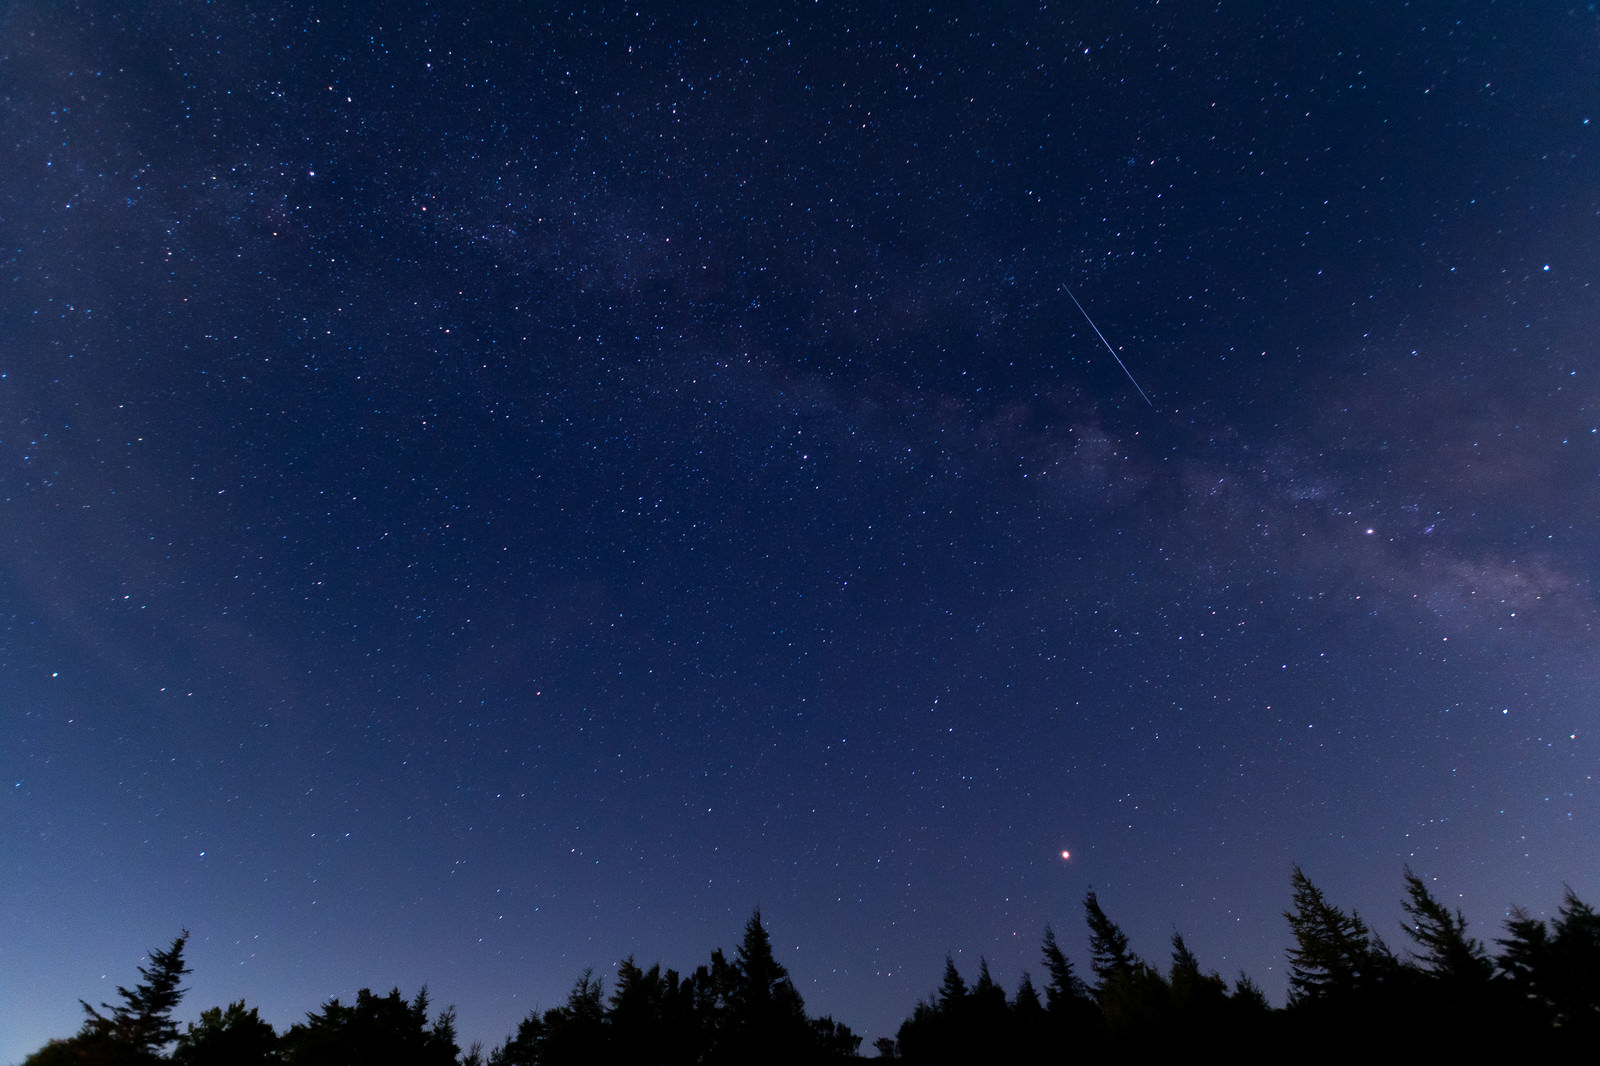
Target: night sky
[{"x": 487, "y": 492}]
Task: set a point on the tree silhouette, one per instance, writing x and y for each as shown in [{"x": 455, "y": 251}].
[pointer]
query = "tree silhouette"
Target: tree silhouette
[
  {"x": 73, "y": 1051},
  {"x": 1247, "y": 998},
  {"x": 834, "y": 1042},
  {"x": 136, "y": 1029},
  {"x": 766, "y": 1018},
  {"x": 1133, "y": 998},
  {"x": 1554, "y": 968},
  {"x": 1109, "y": 955},
  {"x": 522, "y": 1047},
  {"x": 383, "y": 1029},
  {"x": 1447, "y": 953},
  {"x": 645, "y": 1019},
  {"x": 1072, "y": 1015},
  {"x": 1198, "y": 999},
  {"x": 575, "y": 1032},
  {"x": 746, "y": 1010},
  {"x": 989, "y": 1017},
  {"x": 1027, "y": 1000},
  {"x": 1030, "y": 1024},
  {"x": 1334, "y": 954},
  {"x": 953, "y": 989},
  {"x": 762, "y": 992},
  {"x": 235, "y": 1037},
  {"x": 944, "y": 1029},
  {"x": 1065, "y": 987}
]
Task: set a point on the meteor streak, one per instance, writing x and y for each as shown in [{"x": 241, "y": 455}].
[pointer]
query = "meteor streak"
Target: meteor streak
[{"x": 1107, "y": 343}]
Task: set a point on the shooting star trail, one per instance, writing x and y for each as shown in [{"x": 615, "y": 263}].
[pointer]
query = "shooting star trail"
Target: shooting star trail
[{"x": 1107, "y": 343}]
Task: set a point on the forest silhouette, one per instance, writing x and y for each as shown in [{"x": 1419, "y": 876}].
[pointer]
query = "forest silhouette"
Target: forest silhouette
[{"x": 1349, "y": 994}]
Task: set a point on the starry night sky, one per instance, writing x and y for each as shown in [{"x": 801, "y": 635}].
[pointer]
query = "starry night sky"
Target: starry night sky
[{"x": 486, "y": 491}]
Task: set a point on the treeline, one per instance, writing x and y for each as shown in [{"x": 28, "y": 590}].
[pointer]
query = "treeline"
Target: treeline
[
  {"x": 1349, "y": 994},
  {"x": 738, "y": 1011}
]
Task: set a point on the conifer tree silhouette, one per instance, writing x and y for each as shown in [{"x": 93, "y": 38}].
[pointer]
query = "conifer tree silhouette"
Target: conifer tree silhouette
[
  {"x": 139, "y": 1027},
  {"x": 1447, "y": 953},
  {"x": 1334, "y": 953}
]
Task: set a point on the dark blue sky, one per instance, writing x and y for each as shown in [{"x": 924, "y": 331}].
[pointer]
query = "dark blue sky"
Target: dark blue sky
[{"x": 488, "y": 492}]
